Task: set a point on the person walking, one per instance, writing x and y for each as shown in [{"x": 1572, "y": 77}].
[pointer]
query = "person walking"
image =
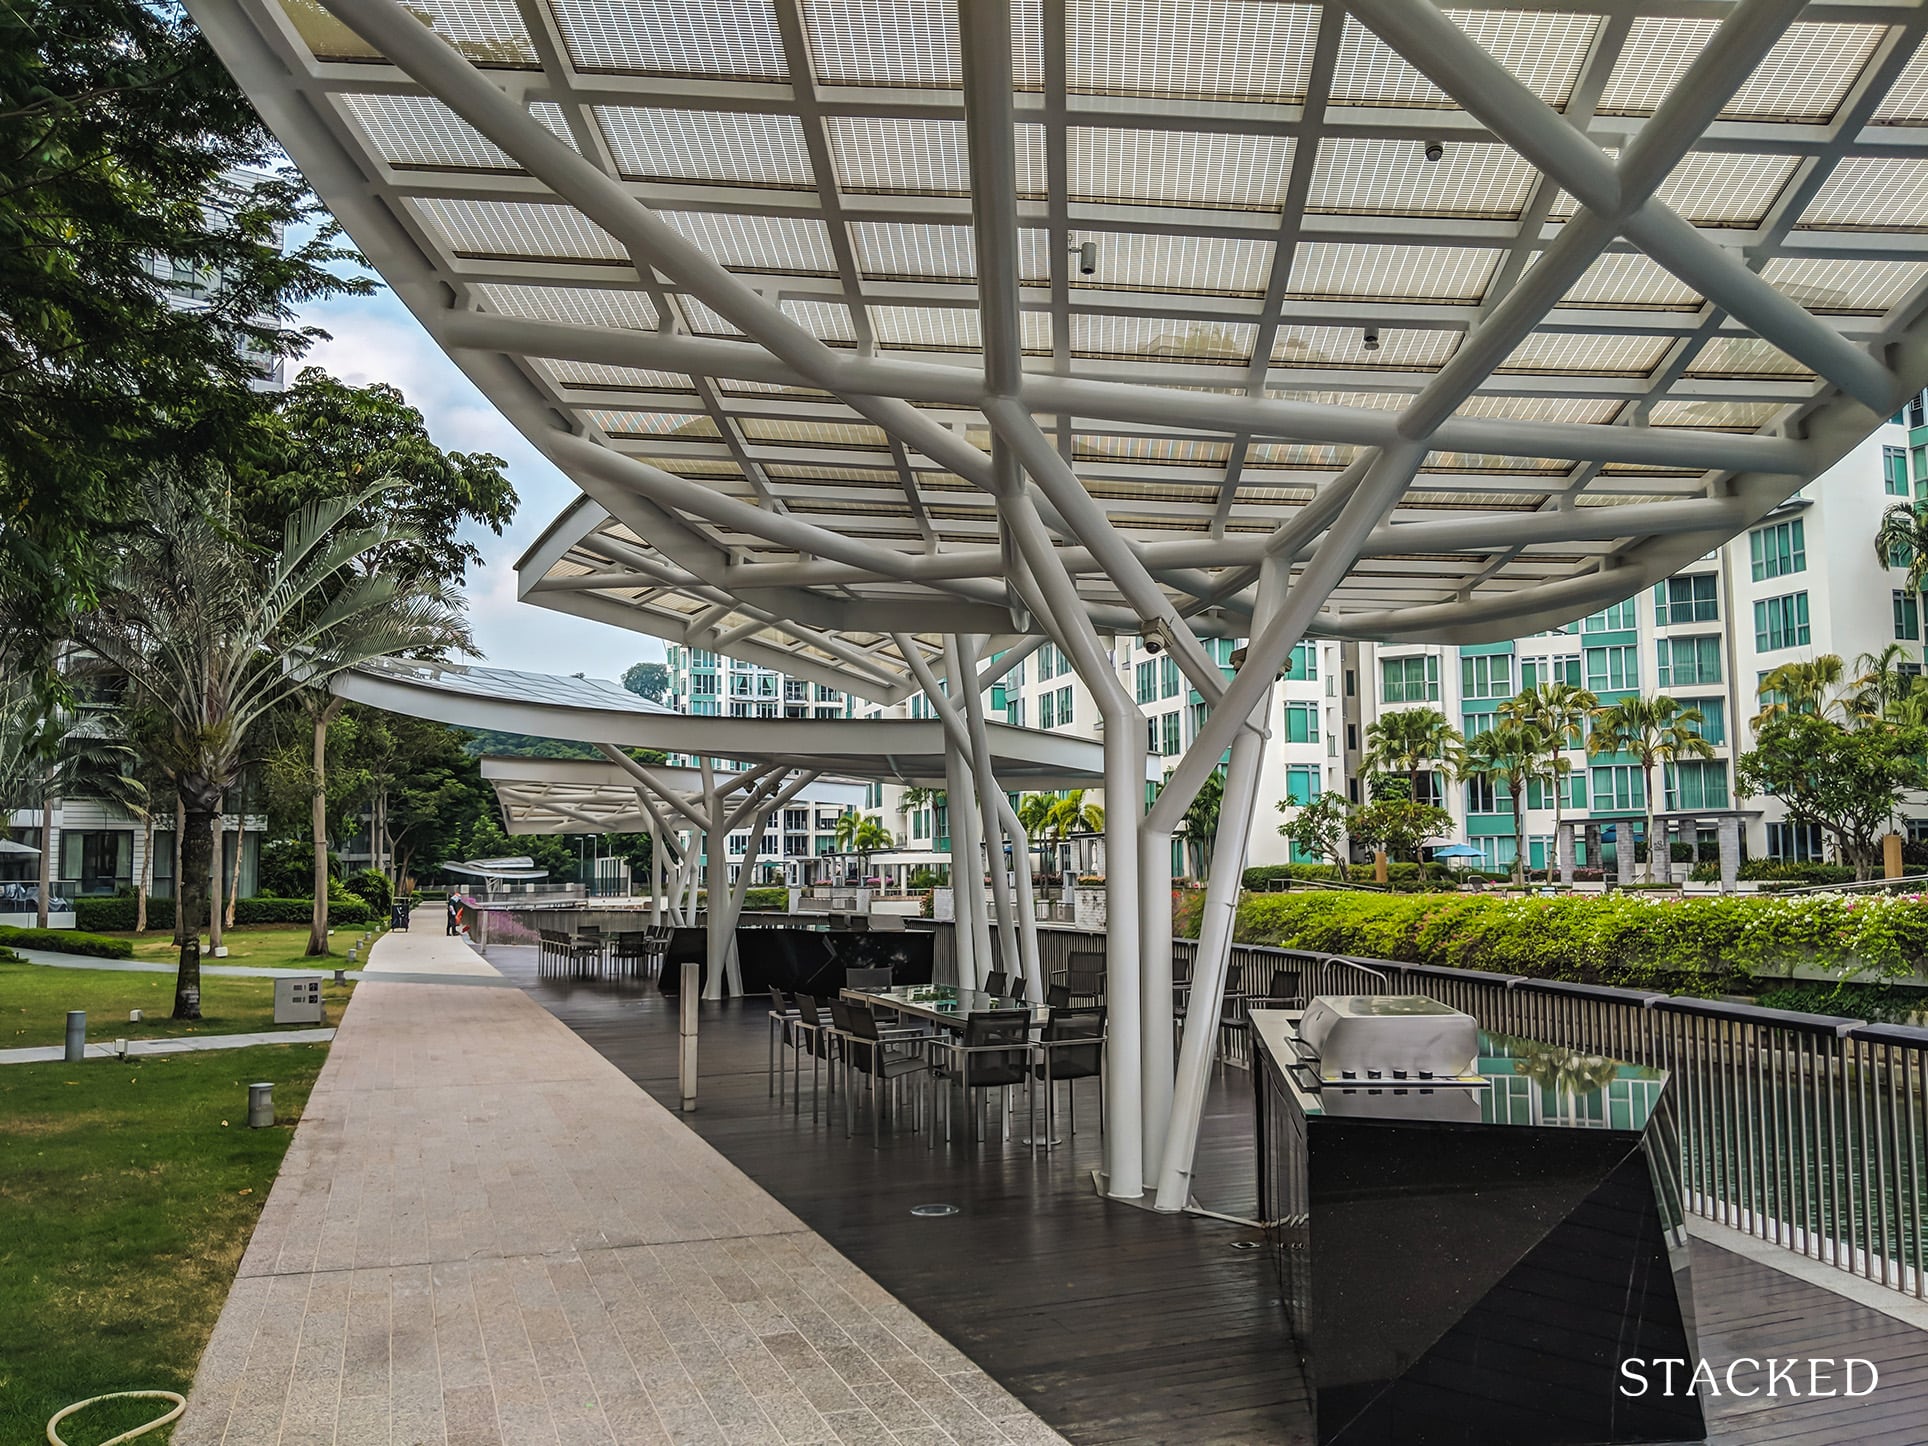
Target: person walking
[{"x": 455, "y": 915}]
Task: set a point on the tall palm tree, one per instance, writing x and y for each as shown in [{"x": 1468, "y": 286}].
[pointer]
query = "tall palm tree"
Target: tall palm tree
[
  {"x": 860, "y": 834},
  {"x": 1409, "y": 740},
  {"x": 1654, "y": 730},
  {"x": 1070, "y": 814},
  {"x": 1034, "y": 812},
  {"x": 1559, "y": 710},
  {"x": 1509, "y": 753},
  {"x": 213, "y": 638},
  {"x": 1811, "y": 686},
  {"x": 1903, "y": 534}
]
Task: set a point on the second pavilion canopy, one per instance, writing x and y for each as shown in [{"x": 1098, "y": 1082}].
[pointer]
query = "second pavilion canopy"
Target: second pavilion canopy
[{"x": 1565, "y": 292}]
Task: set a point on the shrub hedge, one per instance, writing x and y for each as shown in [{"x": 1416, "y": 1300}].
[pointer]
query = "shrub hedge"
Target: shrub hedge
[
  {"x": 118, "y": 912},
  {"x": 66, "y": 941},
  {"x": 1695, "y": 945},
  {"x": 775, "y": 897},
  {"x": 1778, "y": 871}
]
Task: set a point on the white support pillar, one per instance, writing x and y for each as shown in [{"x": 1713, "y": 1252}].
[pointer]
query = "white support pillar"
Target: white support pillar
[
  {"x": 973, "y": 930},
  {"x": 961, "y": 655},
  {"x": 1563, "y": 842},
  {"x": 1212, "y": 962},
  {"x": 1064, "y": 613}
]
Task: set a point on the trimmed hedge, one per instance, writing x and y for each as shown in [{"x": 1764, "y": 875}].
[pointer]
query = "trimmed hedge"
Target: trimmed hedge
[
  {"x": 1693, "y": 945},
  {"x": 776, "y": 897},
  {"x": 66, "y": 941},
  {"x": 118, "y": 913},
  {"x": 1777, "y": 871}
]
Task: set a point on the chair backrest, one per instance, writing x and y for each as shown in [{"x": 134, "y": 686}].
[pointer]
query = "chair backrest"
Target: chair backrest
[
  {"x": 840, "y": 1015},
  {"x": 1004, "y": 1036},
  {"x": 1079, "y": 1061},
  {"x": 886, "y": 923},
  {"x": 867, "y": 978},
  {"x": 807, "y": 1011},
  {"x": 778, "y": 1004},
  {"x": 1286, "y": 984},
  {"x": 996, "y": 982},
  {"x": 1057, "y": 996}
]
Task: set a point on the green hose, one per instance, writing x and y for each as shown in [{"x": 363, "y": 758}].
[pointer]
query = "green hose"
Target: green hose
[{"x": 180, "y": 1405}]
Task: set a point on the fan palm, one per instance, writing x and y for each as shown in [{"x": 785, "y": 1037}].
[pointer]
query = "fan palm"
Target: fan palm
[
  {"x": 212, "y": 638},
  {"x": 1408, "y": 741},
  {"x": 1653, "y": 730},
  {"x": 1558, "y": 710},
  {"x": 1509, "y": 754}
]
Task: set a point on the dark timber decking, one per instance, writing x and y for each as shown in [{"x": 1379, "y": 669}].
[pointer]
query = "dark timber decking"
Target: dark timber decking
[{"x": 1119, "y": 1326}]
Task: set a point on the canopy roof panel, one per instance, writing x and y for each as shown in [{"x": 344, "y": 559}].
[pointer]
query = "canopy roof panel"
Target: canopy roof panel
[
  {"x": 569, "y": 795},
  {"x": 579, "y": 710},
  {"x": 1625, "y": 275}
]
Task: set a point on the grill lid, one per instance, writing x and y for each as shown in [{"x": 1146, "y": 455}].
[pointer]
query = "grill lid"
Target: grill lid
[{"x": 1355, "y": 1038}]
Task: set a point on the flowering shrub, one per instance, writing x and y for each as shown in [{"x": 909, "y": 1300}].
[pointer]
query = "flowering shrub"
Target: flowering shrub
[{"x": 1680, "y": 945}]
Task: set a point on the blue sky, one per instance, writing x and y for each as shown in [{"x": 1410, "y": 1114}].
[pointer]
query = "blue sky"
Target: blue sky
[{"x": 375, "y": 339}]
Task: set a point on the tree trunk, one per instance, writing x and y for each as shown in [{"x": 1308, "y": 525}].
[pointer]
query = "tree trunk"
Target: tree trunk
[
  {"x": 1517, "y": 787},
  {"x": 234, "y": 875},
  {"x": 46, "y": 848},
  {"x": 1648, "y": 771},
  {"x": 198, "y": 812},
  {"x": 318, "y": 827},
  {"x": 1559, "y": 803},
  {"x": 147, "y": 874},
  {"x": 180, "y": 856},
  {"x": 217, "y": 865}
]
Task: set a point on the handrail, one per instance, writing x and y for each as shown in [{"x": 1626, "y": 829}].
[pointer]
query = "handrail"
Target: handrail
[{"x": 1856, "y": 886}]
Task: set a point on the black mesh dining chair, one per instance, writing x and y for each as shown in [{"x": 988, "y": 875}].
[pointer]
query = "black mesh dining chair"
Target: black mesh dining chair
[
  {"x": 996, "y": 982},
  {"x": 885, "y": 1063},
  {"x": 994, "y": 1053},
  {"x": 783, "y": 1014},
  {"x": 818, "y": 1036},
  {"x": 1071, "y": 1048}
]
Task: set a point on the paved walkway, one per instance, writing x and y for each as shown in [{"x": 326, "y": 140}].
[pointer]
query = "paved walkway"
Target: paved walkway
[
  {"x": 186, "y": 1044},
  {"x": 484, "y": 1233}
]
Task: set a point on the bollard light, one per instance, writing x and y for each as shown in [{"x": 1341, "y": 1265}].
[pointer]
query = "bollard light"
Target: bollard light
[
  {"x": 76, "y": 1035},
  {"x": 133, "y": 1016},
  {"x": 341, "y": 976},
  {"x": 261, "y": 1105},
  {"x": 120, "y": 1049}
]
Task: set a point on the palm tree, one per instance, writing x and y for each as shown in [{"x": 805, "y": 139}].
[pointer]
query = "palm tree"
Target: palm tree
[
  {"x": 1558, "y": 710},
  {"x": 1882, "y": 681},
  {"x": 1509, "y": 753},
  {"x": 860, "y": 834},
  {"x": 1201, "y": 820},
  {"x": 1804, "y": 687},
  {"x": 48, "y": 752},
  {"x": 1034, "y": 812},
  {"x": 1408, "y": 740},
  {"x": 1071, "y": 814},
  {"x": 1903, "y": 534},
  {"x": 1654, "y": 730},
  {"x": 212, "y": 638}
]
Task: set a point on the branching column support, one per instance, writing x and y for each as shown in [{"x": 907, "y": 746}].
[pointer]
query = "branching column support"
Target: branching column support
[
  {"x": 1063, "y": 612},
  {"x": 972, "y": 932},
  {"x": 1214, "y": 954},
  {"x": 963, "y": 652}
]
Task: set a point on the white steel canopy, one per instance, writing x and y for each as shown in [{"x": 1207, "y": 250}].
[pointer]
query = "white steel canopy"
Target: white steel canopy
[
  {"x": 595, "y": 711},
  {"x": 1562, "y": 293},
  {"x": 580, "y": 795}
]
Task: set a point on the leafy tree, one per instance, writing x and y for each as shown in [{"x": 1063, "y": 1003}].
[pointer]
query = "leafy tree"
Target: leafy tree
[
  {"x": 1883, "y": 682},
  {"x": 1844, "y": 779},
  {"x": 1653, "y": 730},
  {"x": 204, "y": 635},
  {"x": 1508, "y": 755},
  {"x": 1559, "y": 710},
  {"x": 327, "y": 438},
  {"x": 647, "y": 680},
  {"x": 1398, "y": 825},
  {"x": 119, "y": 129},
  {"x": 1409, "y": 741},
  {"x": 1318, "y": 828}
]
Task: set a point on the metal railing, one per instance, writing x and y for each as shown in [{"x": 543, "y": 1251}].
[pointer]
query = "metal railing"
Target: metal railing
[{"x": 1804, "y": 1131}]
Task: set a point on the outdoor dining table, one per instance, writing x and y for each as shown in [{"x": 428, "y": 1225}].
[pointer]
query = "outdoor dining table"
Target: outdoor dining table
[{"x": 943, "y": 1004}]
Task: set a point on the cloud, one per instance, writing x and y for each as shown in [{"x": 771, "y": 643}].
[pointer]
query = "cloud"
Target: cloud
[{"x": 375, "y": 339}]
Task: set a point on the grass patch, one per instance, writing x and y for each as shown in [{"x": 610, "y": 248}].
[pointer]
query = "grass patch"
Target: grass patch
[
  {"x": 35, "y": 998},
  {"x": 258, "y": 946},
  {"x": 127, "y": 1204}
]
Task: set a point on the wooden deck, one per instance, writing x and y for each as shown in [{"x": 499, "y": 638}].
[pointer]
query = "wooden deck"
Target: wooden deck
[{"x": 1119, "y": 1326}]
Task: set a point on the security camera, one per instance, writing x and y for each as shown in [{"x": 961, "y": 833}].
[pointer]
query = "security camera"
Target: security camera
[
  {"x": 1088, "y": 258},
  {"x": 1434, "y": 150},
  {"x": 1370, "y": 340},
  {"x": 1154, "y": 644}
]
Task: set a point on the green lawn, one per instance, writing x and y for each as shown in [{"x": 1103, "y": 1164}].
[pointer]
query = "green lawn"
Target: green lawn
[
  {"x": 128, "y": 1192},
  {"x": 35, "y": 998},
  {"x": 259, "y": 946}
]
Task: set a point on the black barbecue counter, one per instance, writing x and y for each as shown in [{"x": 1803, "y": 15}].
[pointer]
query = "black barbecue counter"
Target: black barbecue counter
[{"x": 1468, "y": 1252}]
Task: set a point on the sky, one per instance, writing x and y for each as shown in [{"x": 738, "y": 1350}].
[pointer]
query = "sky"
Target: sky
[{"x": 374, "y": 339}]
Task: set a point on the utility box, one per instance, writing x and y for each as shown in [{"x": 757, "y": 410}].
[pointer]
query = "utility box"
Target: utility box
[{"x": 298, "y": 1001}]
